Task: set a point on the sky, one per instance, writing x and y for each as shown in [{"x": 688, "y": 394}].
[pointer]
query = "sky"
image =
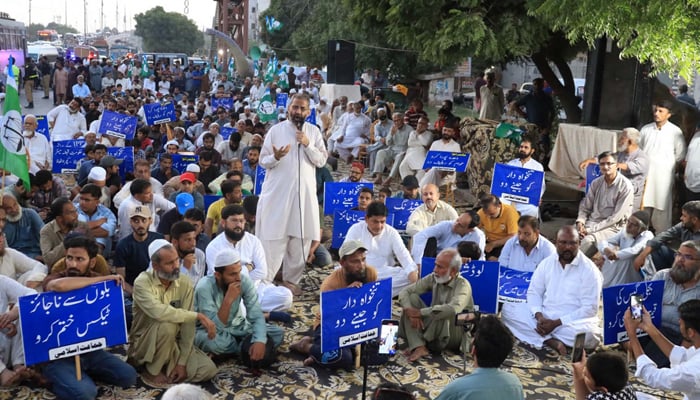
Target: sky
[{"x": 45, "y": 11}]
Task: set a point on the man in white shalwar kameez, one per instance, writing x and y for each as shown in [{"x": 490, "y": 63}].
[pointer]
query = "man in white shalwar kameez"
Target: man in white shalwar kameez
[
  {"x": 355, "y": 132},
  {"x": 664, "y": 143},
  {"x": 620, "y": 251},
  {"x": 440, "y": 177},
  {"x": 287, "y": 216},
  {"x": 564, "y": 296},
  {"x": 525, "y": 160},
  {"x": 419, "y": 142}
]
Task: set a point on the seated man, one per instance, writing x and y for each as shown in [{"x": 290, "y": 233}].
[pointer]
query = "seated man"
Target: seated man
[
  {"x": 142, "y": 170},
  {"x": 683, "y": 375},
  {"x": 446, "y": 234},
  {"x": 163, "y": 332},
  {"x": 523, "y": 252},
  {"x": 433, "y": 326},
  {"x": 81, "y": 253},
  {"x": 100, "y": 220},
  {"x": 491, "y": 345},
  {"x": 221, "y": 297},
  {"x": 193, "y": 262},
  {"x": 384, "y": 244},
  {"x": 196, "y": 217},
  {"x": 232, "y": 194},
  {"x": 432, "y": 211},
  {"x": 141, "y": 195},
  {"x": 681, "y": 283},
  {"x": 419, "y": 142},
  {"x": 410, "y": 189},
  {"x": 17, "y": 266},
  {"x": 22, "y": 227},
  {"x": 525, "y": 160},
  {"x": 448, "y": 142},
  {"x": 357, "y": 169},
  {"x": 252, "y": 255},
  {"x": 397, "y": 143},
  {"x": 620, "y": 250},
  {"x": 659, "y": 247},
  {"x": 353, "y": 133},
  {"x": 53, "y": 233},
  {"x": 499, "y": 223},
  {"x": 353, "y": 273},
  {"x": 564, "y": 296},
  {"x": 183, "y": 203},
  {"x": 12, "y": 368},
  {"x": 173, "y": 184},
  {"x": 364, "y": 198},
  {"x": 606, "y": 207}
]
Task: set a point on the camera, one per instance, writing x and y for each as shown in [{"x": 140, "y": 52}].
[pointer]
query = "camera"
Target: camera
[{"x": 468, "y": 319}]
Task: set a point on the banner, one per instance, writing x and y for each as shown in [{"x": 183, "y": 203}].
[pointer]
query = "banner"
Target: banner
[
  {"x": 159, "y": 113},
  {"x": 616, "y": 300},
  {"x": 341, "y": 195},
  {"x": 126, "y": 154},
  {"x": 225, "y": 102},
  {"x": 513, "y": 285},
  {"x": 180, "y": 161},
  {"x": 521, "y": 185},
  {"x": 401, "y": 209},
  {"x": 66, "y": 155},
  {"x": 354, "y": 315},
  {"x": 120, "y": 125},
  {"x": 592, "y": 172},
  {"x": 482, "y": 277},
  {"x": 446, "y": 161},
  {"x": 58, "y": 325}
]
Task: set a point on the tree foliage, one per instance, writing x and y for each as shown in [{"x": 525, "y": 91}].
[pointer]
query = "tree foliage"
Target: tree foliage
[
  {"x": 663, "y": 32},
  {"x": 167, "y": 32},
  {"x": 33, "y": 28}
]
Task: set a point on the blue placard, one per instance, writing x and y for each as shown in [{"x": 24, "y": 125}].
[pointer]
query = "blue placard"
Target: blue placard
[
  {"x": 159, "y": 113},
  {"x": 482, "y": 277},
  {"x": 343, "y": 220},
  {"x": 119, "y": 125},
  {"x": 281, "y": 100},
  {"x": 446, "y": 160},
  {"x": 341, "y": 195},
  {"x": 225, "y": 102},
  {"x": 616, "y": 301},
  {"x": 209, "y": 199},
  {"x": 58, "y": 325},
  {"x": 260, "y": 173},
  {"x": 42, "y": 126},
  {"x": 592, "y": 172},
  {"x": 126, "y": 154},
  {"x": 401, "y": 209},
  {"x": 226, "y": 131},
  {"x": 521, "y": 185},
  {"x": 354, "y": 315},
  {"x": 66, "y": 154},
  {"x": 513, "y": 285},
  {"x": 312, "y": 117},
  {"x": 180, "y": 161}
]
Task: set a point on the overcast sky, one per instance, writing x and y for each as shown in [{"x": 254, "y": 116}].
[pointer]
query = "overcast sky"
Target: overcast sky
[{"x": 45, "y": 11}]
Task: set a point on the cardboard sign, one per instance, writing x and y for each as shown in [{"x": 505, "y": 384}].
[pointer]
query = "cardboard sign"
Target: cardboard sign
[
  {"x": 66, "y": 155},
  {"x": 159, "y": 113},
  {"x": 513, "y": 285},
  {"x": 180, "y": 161},
  {"x": 225, "y": 102},
  {"x": 226, "y": 131},
  {"x": 341, "y": 195},
  {"x": 482, "y": 276},
  {"x": 281, "y": 100},
  {"x": 401, "y": 209},
  {"x": 120, "y": 125},
  {"x": 520, "y": 185},
  {"x": 616, "y": 300},
  {"x": 446, "y": 161}
]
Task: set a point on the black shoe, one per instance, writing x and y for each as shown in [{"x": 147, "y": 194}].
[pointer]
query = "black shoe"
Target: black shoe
[
  {"x": 30, "y": 105},
  {"x": 45, "y": 97}
]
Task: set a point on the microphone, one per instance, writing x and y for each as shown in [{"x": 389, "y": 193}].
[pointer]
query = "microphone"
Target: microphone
[{"x": 299, "y": 124}]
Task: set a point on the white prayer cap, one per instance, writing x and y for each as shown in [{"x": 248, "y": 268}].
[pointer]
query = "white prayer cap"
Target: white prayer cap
[
  {"x": 169, "y": 142},
  {"x": 193, "y": 168},
  {"x": 97, "y": 174},
  {"x": 226, "y": 257},
  {"x": 155, "y": 246}
]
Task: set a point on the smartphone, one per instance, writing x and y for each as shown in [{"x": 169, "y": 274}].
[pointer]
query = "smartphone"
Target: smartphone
[
  {"x": 388, "y": 336},
  {"x": 577, "y": 352},
  {"x": 636, "y": 306}
]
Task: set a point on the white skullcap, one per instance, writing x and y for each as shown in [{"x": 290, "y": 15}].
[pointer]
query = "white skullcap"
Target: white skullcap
[
  {"x": 155, "y": 246},
  {"x": 97, "y": 174},
  {"x": 226, "y": 257}
]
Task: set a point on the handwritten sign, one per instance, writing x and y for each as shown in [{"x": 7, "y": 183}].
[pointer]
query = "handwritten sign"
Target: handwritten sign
[
  {"x": 521, "y": 185},
  {"x": 126, "y": 154},
  {"x": 446, "y": 161},
  {"x": 341, "y": 195},
  {"x": 592, "y": 172},
  {"x": 66, "y": 155},
  {"x": 159, "y": 113},
  {"x": 58, "y": 325},
  {"x": 119, "y": 125},
  {"x": 281, "y": 100},
  {"x": 180, "y": 161},
  {"x": 513, "y": 285},
  {"x": 616, "y": 300},
  {"x": 401, "y": 209},
  {"x": 226, "y": 131},
  {"x": 42, "y": 125},
  {"x": 342, "y": 221},
  {"x": 482, "y": 277},
  {"x": 225, "y": 102},
  {"x": 260, "y": 173},
  {"x": 354, "y": 315}
]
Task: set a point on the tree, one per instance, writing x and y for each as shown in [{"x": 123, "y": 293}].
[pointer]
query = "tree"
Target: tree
[
  {"x": 167, "y": 32},
  {"x": 33, "y": 28}
]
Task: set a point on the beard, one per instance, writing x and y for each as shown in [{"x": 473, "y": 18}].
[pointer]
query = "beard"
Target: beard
[
  {"x": 525, "y": 245},
  {"x": 234, "y": 234},
  {"x": 73, "y": 272},
  {"x": 183, "y": 253},
  {"x": 172, "y": 276},
  {"x": 681, "y": 275},
  {"x": 522, "y": 155},
  {"x": 356, "y": 276},
  {"x": 442, "y": 279},
  {"x": 567, "y": 256},
  {"x": 15, "y": 218},
  {"x": 298, "y": 119}
]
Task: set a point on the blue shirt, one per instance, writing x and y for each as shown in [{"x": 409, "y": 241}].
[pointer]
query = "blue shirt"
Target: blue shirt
[
  {"x": 81, "y": 91},
  {"x": 101, "y": 212},
  {"x": 484, "y": 383},
  {"x": 247, "y": 169},
  {"x": 24, "y": 235},
  {"x": 446, "y": 238}
]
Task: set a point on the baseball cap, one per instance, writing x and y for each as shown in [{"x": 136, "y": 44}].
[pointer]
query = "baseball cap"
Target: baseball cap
[
  {"x": 109, "y": 161},
  {"x": 138, "y": 210},
  {"x": 194, "y": 168},
  {"x": 97, "y": 174},
  {"x": 188, "y": 176},
  {"x": 410, "y": 182},
  {"x": 350, "y": 247},
  {"x": 155, "y": 246},
  {"x": 184, "y": 201},
  {"x": 226, "y": 257}
]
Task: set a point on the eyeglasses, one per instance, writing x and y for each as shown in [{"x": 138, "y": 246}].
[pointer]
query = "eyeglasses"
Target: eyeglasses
[{"x": 686, "y": 257}]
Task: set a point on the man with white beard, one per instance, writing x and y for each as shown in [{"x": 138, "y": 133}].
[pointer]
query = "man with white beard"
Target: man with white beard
[{"x": 620, "y": 250}]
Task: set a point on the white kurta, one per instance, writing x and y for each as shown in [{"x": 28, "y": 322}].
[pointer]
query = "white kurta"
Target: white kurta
[
  {"x": 433, "y": 175},
  {"x": 65, "y": 123},
  {"x": 622, "y": 270},
  {"x": 665, "y": 148},
  {"x": 352, "y": 132},
  {"x": 527, "y": 209},
  {"x": 415, "y": 154}
]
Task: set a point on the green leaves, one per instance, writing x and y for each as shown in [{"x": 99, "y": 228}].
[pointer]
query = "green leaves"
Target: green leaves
[{"x": 168, "y": 32}]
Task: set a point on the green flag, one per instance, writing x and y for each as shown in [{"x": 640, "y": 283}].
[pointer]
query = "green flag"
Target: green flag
[
  {"x": 271, "y": 69},
  {"x": 266, "y": 110},
  {"x": 13, "y": 154},
  {"x": 282, "y": 81}
]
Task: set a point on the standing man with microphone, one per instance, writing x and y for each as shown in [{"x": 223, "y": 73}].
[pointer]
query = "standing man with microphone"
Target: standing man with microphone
[{"x": 287, "y": 215}]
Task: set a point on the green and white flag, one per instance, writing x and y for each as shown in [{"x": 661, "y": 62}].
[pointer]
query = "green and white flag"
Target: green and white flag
[
  {"x": 266, "y": 110},
  {"x": 13, "y": 154}
]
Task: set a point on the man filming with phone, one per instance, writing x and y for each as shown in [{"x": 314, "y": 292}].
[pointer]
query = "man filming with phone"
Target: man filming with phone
[{"x": 684, "y": 372}]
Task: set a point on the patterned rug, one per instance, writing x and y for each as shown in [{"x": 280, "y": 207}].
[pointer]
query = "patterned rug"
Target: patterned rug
[{"x": 543, "y": 374}]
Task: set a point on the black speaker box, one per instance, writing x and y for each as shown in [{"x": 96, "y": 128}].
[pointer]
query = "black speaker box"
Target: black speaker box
[{"x": 341, "y": 62}]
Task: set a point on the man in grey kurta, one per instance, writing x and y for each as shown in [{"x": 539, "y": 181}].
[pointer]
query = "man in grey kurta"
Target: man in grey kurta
[{"x": 397, "y": 143}]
